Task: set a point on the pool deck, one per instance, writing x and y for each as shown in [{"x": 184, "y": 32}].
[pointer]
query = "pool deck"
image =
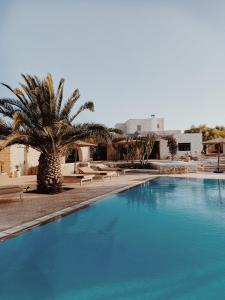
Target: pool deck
[
  {"x": 18, "y": 215},
  {"x": 200, "y": 175}
]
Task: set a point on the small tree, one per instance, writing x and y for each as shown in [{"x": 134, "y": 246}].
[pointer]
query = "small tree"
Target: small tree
[
  {"x": 142, "y": 149},
  {"x": 150, "y": 142},
  {"x": 132, "y": 150},
  {"x": 172, "y": 145},
  {"x": 145, "y": 146}
]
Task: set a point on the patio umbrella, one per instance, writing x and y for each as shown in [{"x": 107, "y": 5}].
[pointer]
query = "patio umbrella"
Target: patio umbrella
[{"x": 217, "y": 142}]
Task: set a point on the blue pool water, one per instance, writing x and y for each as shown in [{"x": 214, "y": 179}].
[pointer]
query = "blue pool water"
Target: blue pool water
[{"x": 161, "y": 240}]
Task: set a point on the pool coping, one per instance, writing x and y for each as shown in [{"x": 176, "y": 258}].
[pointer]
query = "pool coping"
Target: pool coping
[{"x": 17, "y": 230}]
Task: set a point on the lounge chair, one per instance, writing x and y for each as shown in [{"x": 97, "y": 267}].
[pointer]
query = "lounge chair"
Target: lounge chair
[
  {"x": 71, "y": 178},
  {"x": 8, "y": 188},
  {"x": 103, "y": 167},
  {"x": 102, "y": 174}
]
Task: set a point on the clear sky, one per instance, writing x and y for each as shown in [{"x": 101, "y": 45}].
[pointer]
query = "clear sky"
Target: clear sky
[{"x": 132, "y": 58}]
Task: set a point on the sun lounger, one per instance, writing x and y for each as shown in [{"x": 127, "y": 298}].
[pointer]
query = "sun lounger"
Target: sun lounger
[
  {"x": 71, "y": 178},
  {"x": 102, "y": 174},
  {"x": 103, "y": 167}
]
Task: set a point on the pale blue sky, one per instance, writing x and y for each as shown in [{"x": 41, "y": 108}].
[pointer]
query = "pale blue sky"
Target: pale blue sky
[{"x": 132, "y": 58}]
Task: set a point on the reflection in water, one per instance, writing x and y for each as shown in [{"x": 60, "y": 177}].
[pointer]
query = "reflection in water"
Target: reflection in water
[
  {"x": 150, "y": 194},
  {"x": 178, "y": 192},
  {"x": 214, "y": 191}
]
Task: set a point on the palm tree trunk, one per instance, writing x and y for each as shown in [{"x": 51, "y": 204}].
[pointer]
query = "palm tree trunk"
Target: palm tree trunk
[{"x": 49, "y": 176}]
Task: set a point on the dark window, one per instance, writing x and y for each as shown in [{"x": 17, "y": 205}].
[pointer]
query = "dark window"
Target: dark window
[
  {"x": 138, "y": 127},
  {"x": 221, "y": 148},
  {"x": 184, "y": 146},
  {"x": 72, "y": 156},
  {"x": 99, "y": 152}
]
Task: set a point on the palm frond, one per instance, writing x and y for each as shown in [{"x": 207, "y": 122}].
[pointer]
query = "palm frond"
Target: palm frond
[
  {"x": 66, "y": 110},
  {"x": 86, "y": 106},
  {"x": 5, "y": 129},
  {"x": 39, "y": 118},
  {"x": 59, "y": 95}
]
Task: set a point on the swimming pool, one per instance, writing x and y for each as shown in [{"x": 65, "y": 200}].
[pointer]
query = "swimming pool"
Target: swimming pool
[{"x": 164, "y": 239}]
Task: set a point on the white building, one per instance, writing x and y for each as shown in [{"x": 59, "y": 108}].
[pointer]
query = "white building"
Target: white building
[
  {"x": 141, "y": 125},
  {"x": 188, "y": 143}
]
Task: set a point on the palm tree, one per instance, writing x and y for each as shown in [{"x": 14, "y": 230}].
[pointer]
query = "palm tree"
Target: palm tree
[
  {"x": 40, "y": 119},
  {"x": 5, "y": 129}
]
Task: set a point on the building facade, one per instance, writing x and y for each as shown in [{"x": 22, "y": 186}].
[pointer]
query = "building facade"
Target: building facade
[
  {"x": 132, "y": 126},
  {"x": 25, "y": 159},
  {"x": 188, "y": 143},
  {"x": 18, "y": 157}
]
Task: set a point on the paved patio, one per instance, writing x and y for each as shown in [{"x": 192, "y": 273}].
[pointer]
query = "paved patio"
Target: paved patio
[
  {"x": 18, "y": 215},
  {"x": 15, "y": 212}
]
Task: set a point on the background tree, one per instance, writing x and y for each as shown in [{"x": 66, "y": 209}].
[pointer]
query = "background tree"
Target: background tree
[
  {"x": 132, "y": 149},
  {"x": 41, "y": 119},
  {"x": 116, "y": 131},
  {"x": 150, "y": 142},
  {"x": 208, "y": 133}
]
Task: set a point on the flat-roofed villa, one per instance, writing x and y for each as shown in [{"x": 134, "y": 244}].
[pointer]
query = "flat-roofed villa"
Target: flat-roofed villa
[{"x": 188, "y": 143}]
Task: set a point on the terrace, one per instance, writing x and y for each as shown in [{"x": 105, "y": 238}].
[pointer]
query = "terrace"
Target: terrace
[{"x": 26, "y": 212}]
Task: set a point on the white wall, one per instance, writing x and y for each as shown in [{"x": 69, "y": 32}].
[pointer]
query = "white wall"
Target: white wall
[
  {"x": 27, "y": 157},
  {"x": 163, "y": 149},
  {"x": 194, "y": 138},
  {"x": 84, "y": 153},
  {"x": 32, "y": 157},
  {"x": 156, "y": 124},
  {"x": 149, "y": 124},
  {"x": 67, "y": 168},
  {"x": 121, "y": 126},
  {"x": 196, "y": 143},
  {"x": 17, "y": 158}
]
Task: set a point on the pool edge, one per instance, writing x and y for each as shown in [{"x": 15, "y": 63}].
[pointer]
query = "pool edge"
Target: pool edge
[{"x": 17, "y": 230}]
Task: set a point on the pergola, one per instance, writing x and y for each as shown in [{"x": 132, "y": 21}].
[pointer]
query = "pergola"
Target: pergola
[
  {"x": 84, "y": 144},
  {"x": 79, "y": 145},
  {"x": 218, "y": 142}
]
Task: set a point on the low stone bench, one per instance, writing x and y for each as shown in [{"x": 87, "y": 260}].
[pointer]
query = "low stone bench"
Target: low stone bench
[
  {"x": 7, "y": 187},
  {"x": 173, "y": 170},
  {"x": 11, "y": 191}
]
